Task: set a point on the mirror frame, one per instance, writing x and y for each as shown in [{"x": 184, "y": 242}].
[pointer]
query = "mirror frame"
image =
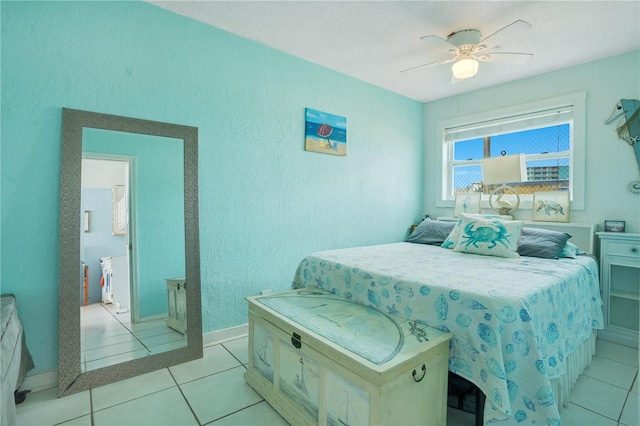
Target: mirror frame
[{"x": 70, "y": 377}]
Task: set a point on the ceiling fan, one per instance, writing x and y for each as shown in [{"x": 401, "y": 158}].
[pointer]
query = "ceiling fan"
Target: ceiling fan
[{"x": 466, "y": 47}]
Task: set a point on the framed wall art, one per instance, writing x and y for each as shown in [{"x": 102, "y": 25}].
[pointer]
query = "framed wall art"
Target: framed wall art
[
  {"x": 551, "y": 206},
  {"x": 614, "y": 225},
  {"x": 325, "y": 133},
  {"x": 467, "y": 202}
]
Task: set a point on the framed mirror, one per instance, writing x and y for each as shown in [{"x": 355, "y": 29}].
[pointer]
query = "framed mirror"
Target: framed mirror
[{"x": 149, "y": 276}]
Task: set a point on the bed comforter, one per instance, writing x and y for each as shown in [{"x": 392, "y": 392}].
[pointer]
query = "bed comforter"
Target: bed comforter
[{"x": 514, "y": 321}]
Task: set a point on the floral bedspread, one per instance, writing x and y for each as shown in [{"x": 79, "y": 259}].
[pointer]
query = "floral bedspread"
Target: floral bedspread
[{"x": 514, "y": 320}]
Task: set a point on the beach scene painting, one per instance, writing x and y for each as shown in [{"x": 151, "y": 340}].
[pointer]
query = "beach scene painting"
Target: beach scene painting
[{"x": 325, "y": 133}]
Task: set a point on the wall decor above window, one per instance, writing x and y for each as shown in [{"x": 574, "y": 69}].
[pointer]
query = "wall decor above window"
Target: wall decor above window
[{"x": 325, "y": 133}]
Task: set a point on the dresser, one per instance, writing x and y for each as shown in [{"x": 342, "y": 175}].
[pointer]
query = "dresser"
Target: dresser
[
  {"x": 321, "y": 359},
  {"x": 620, "y": 281}
]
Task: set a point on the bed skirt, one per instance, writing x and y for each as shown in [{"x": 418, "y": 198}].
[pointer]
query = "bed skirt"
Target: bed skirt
[{"x": 576, "y": 363}]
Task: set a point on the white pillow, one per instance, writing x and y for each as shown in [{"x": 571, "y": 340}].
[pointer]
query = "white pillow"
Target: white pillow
[
  {"x": 452, "y": 239},
  {"x": 489, "y": 237}
]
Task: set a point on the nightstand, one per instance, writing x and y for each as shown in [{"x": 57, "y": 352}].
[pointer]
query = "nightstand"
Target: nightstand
[{"x": 620, "y": 281}]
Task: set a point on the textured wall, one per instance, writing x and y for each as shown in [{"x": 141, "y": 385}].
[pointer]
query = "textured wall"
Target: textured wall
[
  {"x": 264, "y": 201},
  {"x": 610, "y": 162}
]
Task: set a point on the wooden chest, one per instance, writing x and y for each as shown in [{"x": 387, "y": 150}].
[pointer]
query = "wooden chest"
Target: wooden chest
[{"x": 322, "y": 359}]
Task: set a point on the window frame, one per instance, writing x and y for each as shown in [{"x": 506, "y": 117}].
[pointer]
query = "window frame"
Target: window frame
[{"x": 577, "y": 152}]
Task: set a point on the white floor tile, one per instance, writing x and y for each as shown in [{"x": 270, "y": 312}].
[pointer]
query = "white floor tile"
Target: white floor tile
[
  {"x": 616, "y": 352},
  {"x": 574, "y": 415},
  {"x": 612, "y": 372},
  {"x": 166, "y": 407},
  {"x": 630, "y": 415},
  {"x": 239, "y": 348},
  {"x": 118, "y": 348},
  {"x": 215, "y": 360},
  {"x": 45, "y": 408},
  {"x": 116, "y": 359},
  {"x": 168, "y": 346},
  {"x": 80, "y": 421},
  {"x": 135, "y": 387},
  {"x": 106, "y": 341},
  {"x": 211, "y": 399},
  {"x": 257, "y": 415},
  {"x": 597, "y": 396}
]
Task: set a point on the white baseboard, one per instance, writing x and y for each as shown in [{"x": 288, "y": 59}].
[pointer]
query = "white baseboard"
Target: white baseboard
[
  {"x": 41, "y": 381},
  {"x": 49, "y": 379},
  {"x": 224, "y": 335}
]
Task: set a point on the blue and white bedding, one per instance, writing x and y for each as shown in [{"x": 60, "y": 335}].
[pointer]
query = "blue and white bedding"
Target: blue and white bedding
[{"x": 514, "y": 320}]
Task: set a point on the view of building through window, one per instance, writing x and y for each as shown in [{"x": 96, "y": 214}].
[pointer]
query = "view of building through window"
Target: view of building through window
[{"x": 547, "y": 150}]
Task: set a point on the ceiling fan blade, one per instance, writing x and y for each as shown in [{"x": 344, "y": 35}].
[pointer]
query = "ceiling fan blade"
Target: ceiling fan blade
[
  {"x": 420, "y": 67},
  {"x": 505, "y": 35},
  {"x": 504, "y": 57},
  {"x": 438, "y": 44}
]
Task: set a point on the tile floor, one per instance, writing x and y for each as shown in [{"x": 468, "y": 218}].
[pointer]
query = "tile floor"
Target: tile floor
[
  {"x": 109, "y": 337},
  {"x": 212, "y": 391}
]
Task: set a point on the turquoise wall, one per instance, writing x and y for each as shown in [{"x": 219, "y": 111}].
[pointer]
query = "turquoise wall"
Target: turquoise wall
[
  {"x": 610, "y": 162},
  {"x": 264, "y": 201}
]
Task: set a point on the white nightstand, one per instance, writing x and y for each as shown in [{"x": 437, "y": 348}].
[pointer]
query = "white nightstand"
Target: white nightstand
[{"x": 620, "y": 280}]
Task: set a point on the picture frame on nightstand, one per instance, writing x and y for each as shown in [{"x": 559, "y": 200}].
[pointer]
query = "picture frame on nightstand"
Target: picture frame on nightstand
[{"x": 614, "y": 225}]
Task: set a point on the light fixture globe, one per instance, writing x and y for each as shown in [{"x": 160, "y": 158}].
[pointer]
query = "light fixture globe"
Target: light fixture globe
[{"x": 465, "y": 68}]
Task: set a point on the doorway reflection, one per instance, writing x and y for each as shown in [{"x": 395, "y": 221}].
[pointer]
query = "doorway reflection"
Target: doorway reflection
[{"x": 108, "y": 336}]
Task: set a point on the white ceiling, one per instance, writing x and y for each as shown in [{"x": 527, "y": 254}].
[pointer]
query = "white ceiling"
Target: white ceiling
[{"x": 374, "y": 40}]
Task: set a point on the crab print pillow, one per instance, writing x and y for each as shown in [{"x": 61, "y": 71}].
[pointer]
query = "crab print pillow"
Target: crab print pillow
[
  {"x": 452, "y": 239},
  {"x": 489, "y": 237}
]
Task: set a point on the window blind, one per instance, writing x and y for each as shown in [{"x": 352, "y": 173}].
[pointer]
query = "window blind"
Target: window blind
[{"x": 509, "y": 124}]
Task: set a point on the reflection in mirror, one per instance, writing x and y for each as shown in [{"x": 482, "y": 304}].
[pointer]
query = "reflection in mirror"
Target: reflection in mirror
[
  {"x": 129, "y": 249},
  {"x": 133, "y": 187}
]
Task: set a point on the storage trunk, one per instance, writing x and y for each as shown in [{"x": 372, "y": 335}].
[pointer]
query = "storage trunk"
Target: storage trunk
[{"x": 321, "y": 359}]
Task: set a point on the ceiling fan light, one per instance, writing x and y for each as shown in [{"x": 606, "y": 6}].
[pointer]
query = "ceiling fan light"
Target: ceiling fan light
[{"x": 465, "y": 68}]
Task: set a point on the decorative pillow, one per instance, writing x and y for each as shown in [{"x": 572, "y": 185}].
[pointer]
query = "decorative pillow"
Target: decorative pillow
[
  {"x": 431, "y": 232},
  {"x": 543, "y": 243},
  {"x": 571, "y": 250},
  {"x": 452, "y": 239},
  {"x": 489, "y": 237}
]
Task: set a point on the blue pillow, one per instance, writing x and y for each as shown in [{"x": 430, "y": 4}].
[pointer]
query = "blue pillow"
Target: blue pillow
[
  {"x": 571, "y": 250},
  {"x": 431, "y": 232},
  {"x": 544, "y": 243}
]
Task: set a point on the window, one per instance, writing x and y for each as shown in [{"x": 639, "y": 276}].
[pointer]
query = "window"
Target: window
[{"x": 550, "y": 134}]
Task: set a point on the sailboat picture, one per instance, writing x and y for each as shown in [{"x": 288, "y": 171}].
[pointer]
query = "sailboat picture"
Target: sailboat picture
[
  {"x": 263, "y": 351},
  {"x": 325, "y": 133},
  {"x": 347, "y": 404}
]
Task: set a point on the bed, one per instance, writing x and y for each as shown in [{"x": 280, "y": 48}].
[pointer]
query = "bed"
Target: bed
[
  {"x": 14, "y": 358},
  {"x": 524, "y": 327}
]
